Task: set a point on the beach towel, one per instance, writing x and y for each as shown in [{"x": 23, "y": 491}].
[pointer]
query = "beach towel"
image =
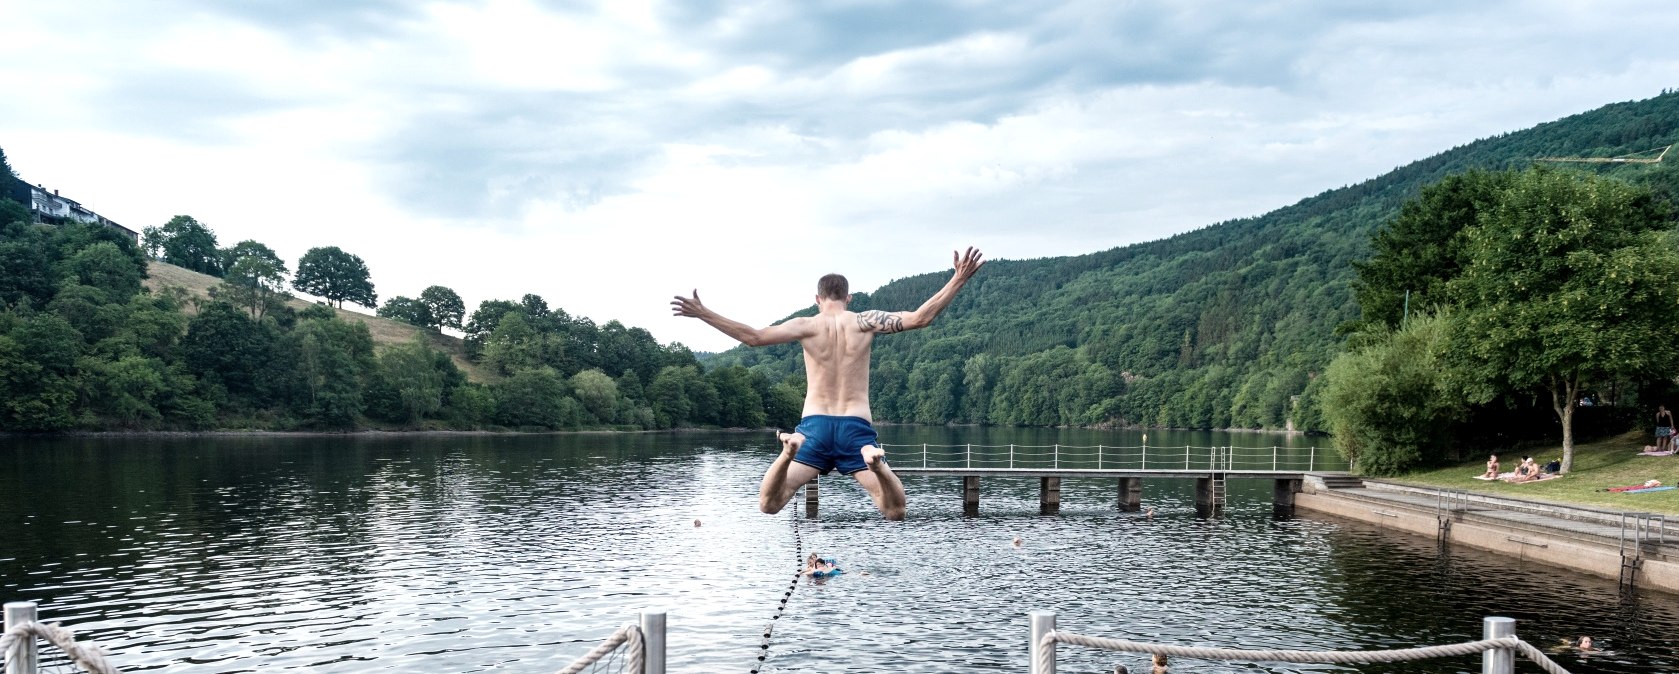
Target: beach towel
[
  {"x": 1483, "y": 477},
  {"x": 1650, "y": 453},
  {"x": 1641, "y": 490},
  {"x": 1652, "y": 484}
]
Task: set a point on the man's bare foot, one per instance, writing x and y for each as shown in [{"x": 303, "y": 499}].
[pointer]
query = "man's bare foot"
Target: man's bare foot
[
  {"x": 872, "y": 454},
  {"x": 790, "y": 442}
]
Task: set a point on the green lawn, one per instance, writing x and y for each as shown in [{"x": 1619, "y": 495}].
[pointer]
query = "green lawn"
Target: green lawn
[{"x": 1598, "y": 465}]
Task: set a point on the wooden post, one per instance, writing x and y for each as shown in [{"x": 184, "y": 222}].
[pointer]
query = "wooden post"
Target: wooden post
[
  {"x": 1204, "y": 496},
  {"x": 1130, "y": 494},
  {"x": 970, "y": 495},
  {"x": 811, "y": 498},
  {"x": 1049, "y": 495}
]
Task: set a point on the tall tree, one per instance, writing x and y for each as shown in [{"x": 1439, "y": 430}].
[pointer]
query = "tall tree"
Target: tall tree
[
  {"x": 334, "y": 275},
  {"x": 408, "y": 310},
  {"x": 186, "y": 242},
  {"x": 1569, "y": 278},
  {"x": 445, "y": 306},
  {"x": 1412, "y": 257},
  {"x": 255, "y": 284}
]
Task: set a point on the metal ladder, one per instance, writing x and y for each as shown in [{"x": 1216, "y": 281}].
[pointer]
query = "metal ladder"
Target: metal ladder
[
  {"x": 1221, "y": 463},
  {"x": 1449, "y": 504},
  {"x": 1638, "y": 530}
]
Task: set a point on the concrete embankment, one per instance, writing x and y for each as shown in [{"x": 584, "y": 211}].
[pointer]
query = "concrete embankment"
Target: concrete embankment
[{"x": 1605, "y": 543}]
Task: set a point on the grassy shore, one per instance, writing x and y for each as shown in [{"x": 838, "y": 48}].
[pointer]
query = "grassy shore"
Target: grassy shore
[{"x": 1612, "y": 462}]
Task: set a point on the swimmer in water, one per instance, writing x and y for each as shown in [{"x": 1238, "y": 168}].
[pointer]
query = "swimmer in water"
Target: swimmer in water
[
  {"x": 696, "y": 523},
  {"x": 1017, "y": 542},
  {"x": 816, "y": 566},
  {"x": 837, "y": 429}
]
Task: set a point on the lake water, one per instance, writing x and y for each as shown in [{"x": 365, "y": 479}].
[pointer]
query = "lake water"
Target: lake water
[{"x": 519, "y": 553}]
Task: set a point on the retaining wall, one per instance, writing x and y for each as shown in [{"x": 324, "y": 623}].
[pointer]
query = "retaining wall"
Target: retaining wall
[{"x": 1559, "y": 549}]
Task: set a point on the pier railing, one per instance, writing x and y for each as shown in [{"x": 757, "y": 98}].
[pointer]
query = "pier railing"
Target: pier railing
[
  {"x": 1498, "y": 647},
  {"x": 1112, "y": 457}
]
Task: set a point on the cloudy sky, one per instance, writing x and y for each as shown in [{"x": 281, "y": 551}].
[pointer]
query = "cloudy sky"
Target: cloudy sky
[{"x": 608, "y": 156}]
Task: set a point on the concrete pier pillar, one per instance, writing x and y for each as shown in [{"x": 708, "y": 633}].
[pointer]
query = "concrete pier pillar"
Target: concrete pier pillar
[
  {"x": 1049, "y": 495},
  {"x": 1130, "y": 494},
  {"x": 1283, "y": 493},
  {"x": 1204, "y": 496},
  {"x": 970, "y": 495},
  {"x": 811, "y": 498}
]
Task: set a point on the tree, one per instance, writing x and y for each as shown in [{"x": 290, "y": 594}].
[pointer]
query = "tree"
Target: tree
[
  {"x": 408, "y": 310},
  {"x": 412, "y": 370},
  {"x": 1413, "y": 257},
  {"x": 334, "y": 275},
  {"x": 1570, "y": 278},
  {"x": 598, "y": 393},
  {"x": 256, "y": 278},
  {"x": 104, "y": 266},
  {"x": 185, "y": 242},
  {"x": 1390, "y": 405},
  {"x": 224, "y": 346},
  {"x": 250, "y": 248},
  {"x": 445, "y": 306}
]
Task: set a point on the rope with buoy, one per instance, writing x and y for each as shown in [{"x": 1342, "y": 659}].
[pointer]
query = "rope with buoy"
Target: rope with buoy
[{"x": 769, "y": 627}]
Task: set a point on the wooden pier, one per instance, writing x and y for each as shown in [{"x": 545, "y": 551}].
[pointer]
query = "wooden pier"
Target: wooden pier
[{"x": 1210, "y": 467}]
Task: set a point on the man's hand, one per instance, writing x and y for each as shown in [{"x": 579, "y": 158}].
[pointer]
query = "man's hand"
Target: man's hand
[
  {"x": 967, "y": 263},
  {"x": 688, "y": 306}
]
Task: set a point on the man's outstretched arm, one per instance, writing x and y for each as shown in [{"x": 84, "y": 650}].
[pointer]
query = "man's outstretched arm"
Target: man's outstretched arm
[
  {"x": 746, "y": 334},
  {"x": 899, "y": 321}
]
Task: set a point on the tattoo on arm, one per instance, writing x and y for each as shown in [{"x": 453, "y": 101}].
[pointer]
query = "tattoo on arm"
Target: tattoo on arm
[{"x": 880, "y": 321}]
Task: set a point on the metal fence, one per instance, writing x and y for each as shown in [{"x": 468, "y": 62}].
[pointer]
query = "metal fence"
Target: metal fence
[{"x": 1112, "y": 457}]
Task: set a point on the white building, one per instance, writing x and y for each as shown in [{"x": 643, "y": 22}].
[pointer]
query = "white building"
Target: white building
[{"x": 52, "y": 208}]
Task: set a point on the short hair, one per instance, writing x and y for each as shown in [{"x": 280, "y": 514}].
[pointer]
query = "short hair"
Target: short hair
[{"x": 833, "y": 287}]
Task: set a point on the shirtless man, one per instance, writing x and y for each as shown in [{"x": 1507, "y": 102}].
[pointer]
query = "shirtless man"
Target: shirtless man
[{"x": 837, "y": 430}]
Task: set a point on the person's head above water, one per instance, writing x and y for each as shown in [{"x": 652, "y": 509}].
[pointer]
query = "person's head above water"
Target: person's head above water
[
  {"x": 833, "y": 287},
  {"x": 1017, "y": 541}
]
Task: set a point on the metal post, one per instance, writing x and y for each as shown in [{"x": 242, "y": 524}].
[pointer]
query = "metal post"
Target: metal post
[
  {"x": 1186, "y": 457},
  {"x": 923, "y": 455},
  {"x": 1043, "y": 622},
  {"x": 1098, "y": 456},
  {"x": 1498, "y": 660},
  {"x": 1273, "y": 458},
  {"x": 969, "y": 462},
  {"x": 1312, "y": 460},
  {"x": 1011, "y": 455},
  {"x": 25, "y": 654},
  {"x": 1055, "y": 461},
  {"x": 653, "y": 641}
]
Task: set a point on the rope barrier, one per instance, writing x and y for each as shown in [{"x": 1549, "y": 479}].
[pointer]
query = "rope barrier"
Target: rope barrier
[
  {"x": 629, "y": 636},
  {"x": 87, "y": 656},
  {"x": 1046, "y": 654},
  {"x": 799, "y": 554}
]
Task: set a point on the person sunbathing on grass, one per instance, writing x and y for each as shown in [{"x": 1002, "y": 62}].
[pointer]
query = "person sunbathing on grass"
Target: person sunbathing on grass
[
  {"x": 1526, "y": 472},
  {"x": 1492, "y": 468}
]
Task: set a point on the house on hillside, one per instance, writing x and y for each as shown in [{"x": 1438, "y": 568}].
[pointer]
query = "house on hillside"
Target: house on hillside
[{"x": 54, "y": 209}]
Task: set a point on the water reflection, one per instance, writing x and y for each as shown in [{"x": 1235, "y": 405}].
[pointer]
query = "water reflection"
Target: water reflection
[{"x": 471, "y": 553}]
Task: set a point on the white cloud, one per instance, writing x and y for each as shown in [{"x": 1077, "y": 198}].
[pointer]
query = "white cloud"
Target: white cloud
[{"x": 608, "y": 157}]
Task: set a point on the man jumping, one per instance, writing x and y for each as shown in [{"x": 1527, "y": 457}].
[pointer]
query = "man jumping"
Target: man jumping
[{"x": 837, "y": 430}]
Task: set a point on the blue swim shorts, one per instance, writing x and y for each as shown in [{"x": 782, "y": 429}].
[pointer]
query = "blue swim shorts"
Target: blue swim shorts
[{"x": 835, "y": 442}]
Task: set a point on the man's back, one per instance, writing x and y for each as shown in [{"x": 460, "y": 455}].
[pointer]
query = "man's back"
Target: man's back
[{"x": 837, "y": 365}]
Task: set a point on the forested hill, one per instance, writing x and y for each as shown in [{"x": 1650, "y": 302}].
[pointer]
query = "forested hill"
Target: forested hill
[{"x": 1222, "y": 327}]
